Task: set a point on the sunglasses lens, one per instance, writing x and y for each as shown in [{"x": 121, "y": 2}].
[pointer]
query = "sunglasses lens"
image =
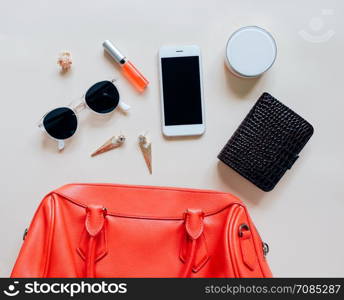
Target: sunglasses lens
[
  {"x": 103, "y": 97},
  {"x": 60, "y": 123}
]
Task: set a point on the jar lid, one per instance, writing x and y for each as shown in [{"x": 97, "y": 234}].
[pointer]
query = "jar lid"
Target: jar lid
[{"x": 250, "y": 51}]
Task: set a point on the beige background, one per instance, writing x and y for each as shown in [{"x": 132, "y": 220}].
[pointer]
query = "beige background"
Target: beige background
[{"x": 302, "y": 219}]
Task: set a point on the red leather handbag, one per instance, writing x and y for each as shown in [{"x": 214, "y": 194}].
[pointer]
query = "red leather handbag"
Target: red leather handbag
[{"x": 103, "y": 230}]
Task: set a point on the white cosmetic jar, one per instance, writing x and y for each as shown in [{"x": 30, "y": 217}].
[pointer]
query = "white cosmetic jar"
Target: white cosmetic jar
[{"x": 250, "y": 51}]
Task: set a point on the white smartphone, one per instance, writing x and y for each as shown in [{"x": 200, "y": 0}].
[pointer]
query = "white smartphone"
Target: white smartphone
[{"x": 182, "y": 104}]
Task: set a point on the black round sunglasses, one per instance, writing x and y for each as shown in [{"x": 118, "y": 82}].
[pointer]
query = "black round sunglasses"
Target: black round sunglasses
[{"x": 61, "y": 123}]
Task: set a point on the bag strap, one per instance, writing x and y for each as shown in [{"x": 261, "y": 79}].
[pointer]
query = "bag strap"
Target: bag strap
[
  {"x": 95, "y": 221},
  {"x": 194, "y": 228},
  {"x": 94, "y": 224}
]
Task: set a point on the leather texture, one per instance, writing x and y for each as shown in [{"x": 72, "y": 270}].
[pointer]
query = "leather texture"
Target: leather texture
[
  {"x": 107, "y": 230},
  {"x": 267, "y": 143}
]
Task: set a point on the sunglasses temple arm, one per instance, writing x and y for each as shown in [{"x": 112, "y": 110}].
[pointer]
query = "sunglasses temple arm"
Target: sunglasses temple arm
[
  {"x": 60, "y": 145},
  {"x": 123, "y": 106}
]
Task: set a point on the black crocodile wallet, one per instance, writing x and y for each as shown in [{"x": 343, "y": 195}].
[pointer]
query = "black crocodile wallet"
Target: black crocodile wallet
[{"x": 267, "y": 143}]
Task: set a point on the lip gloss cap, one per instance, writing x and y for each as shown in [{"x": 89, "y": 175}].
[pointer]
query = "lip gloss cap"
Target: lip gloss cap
[{"x": 114, "y": 52}]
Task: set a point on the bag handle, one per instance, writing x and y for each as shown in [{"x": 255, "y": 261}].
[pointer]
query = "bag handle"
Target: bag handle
[
  {"x": 95, "y": 221},
  {"x": 94, "y": 224},
  {"x": 194, "y": 228}
]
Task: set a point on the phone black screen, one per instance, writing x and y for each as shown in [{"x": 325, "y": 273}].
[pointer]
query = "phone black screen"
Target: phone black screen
[{"x": 181, "y": 90}]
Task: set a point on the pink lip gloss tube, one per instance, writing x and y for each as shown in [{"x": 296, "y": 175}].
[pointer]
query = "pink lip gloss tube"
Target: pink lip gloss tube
[{"x": 128, "y": 69}]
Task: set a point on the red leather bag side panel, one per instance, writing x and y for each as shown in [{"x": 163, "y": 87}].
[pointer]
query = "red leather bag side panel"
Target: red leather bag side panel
[
  {"x": 245, "y": 251},
  {"x": 259, "y": 248},
  {"x": 34, "y": 254},
  {"x": 65, "y": 260}
]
